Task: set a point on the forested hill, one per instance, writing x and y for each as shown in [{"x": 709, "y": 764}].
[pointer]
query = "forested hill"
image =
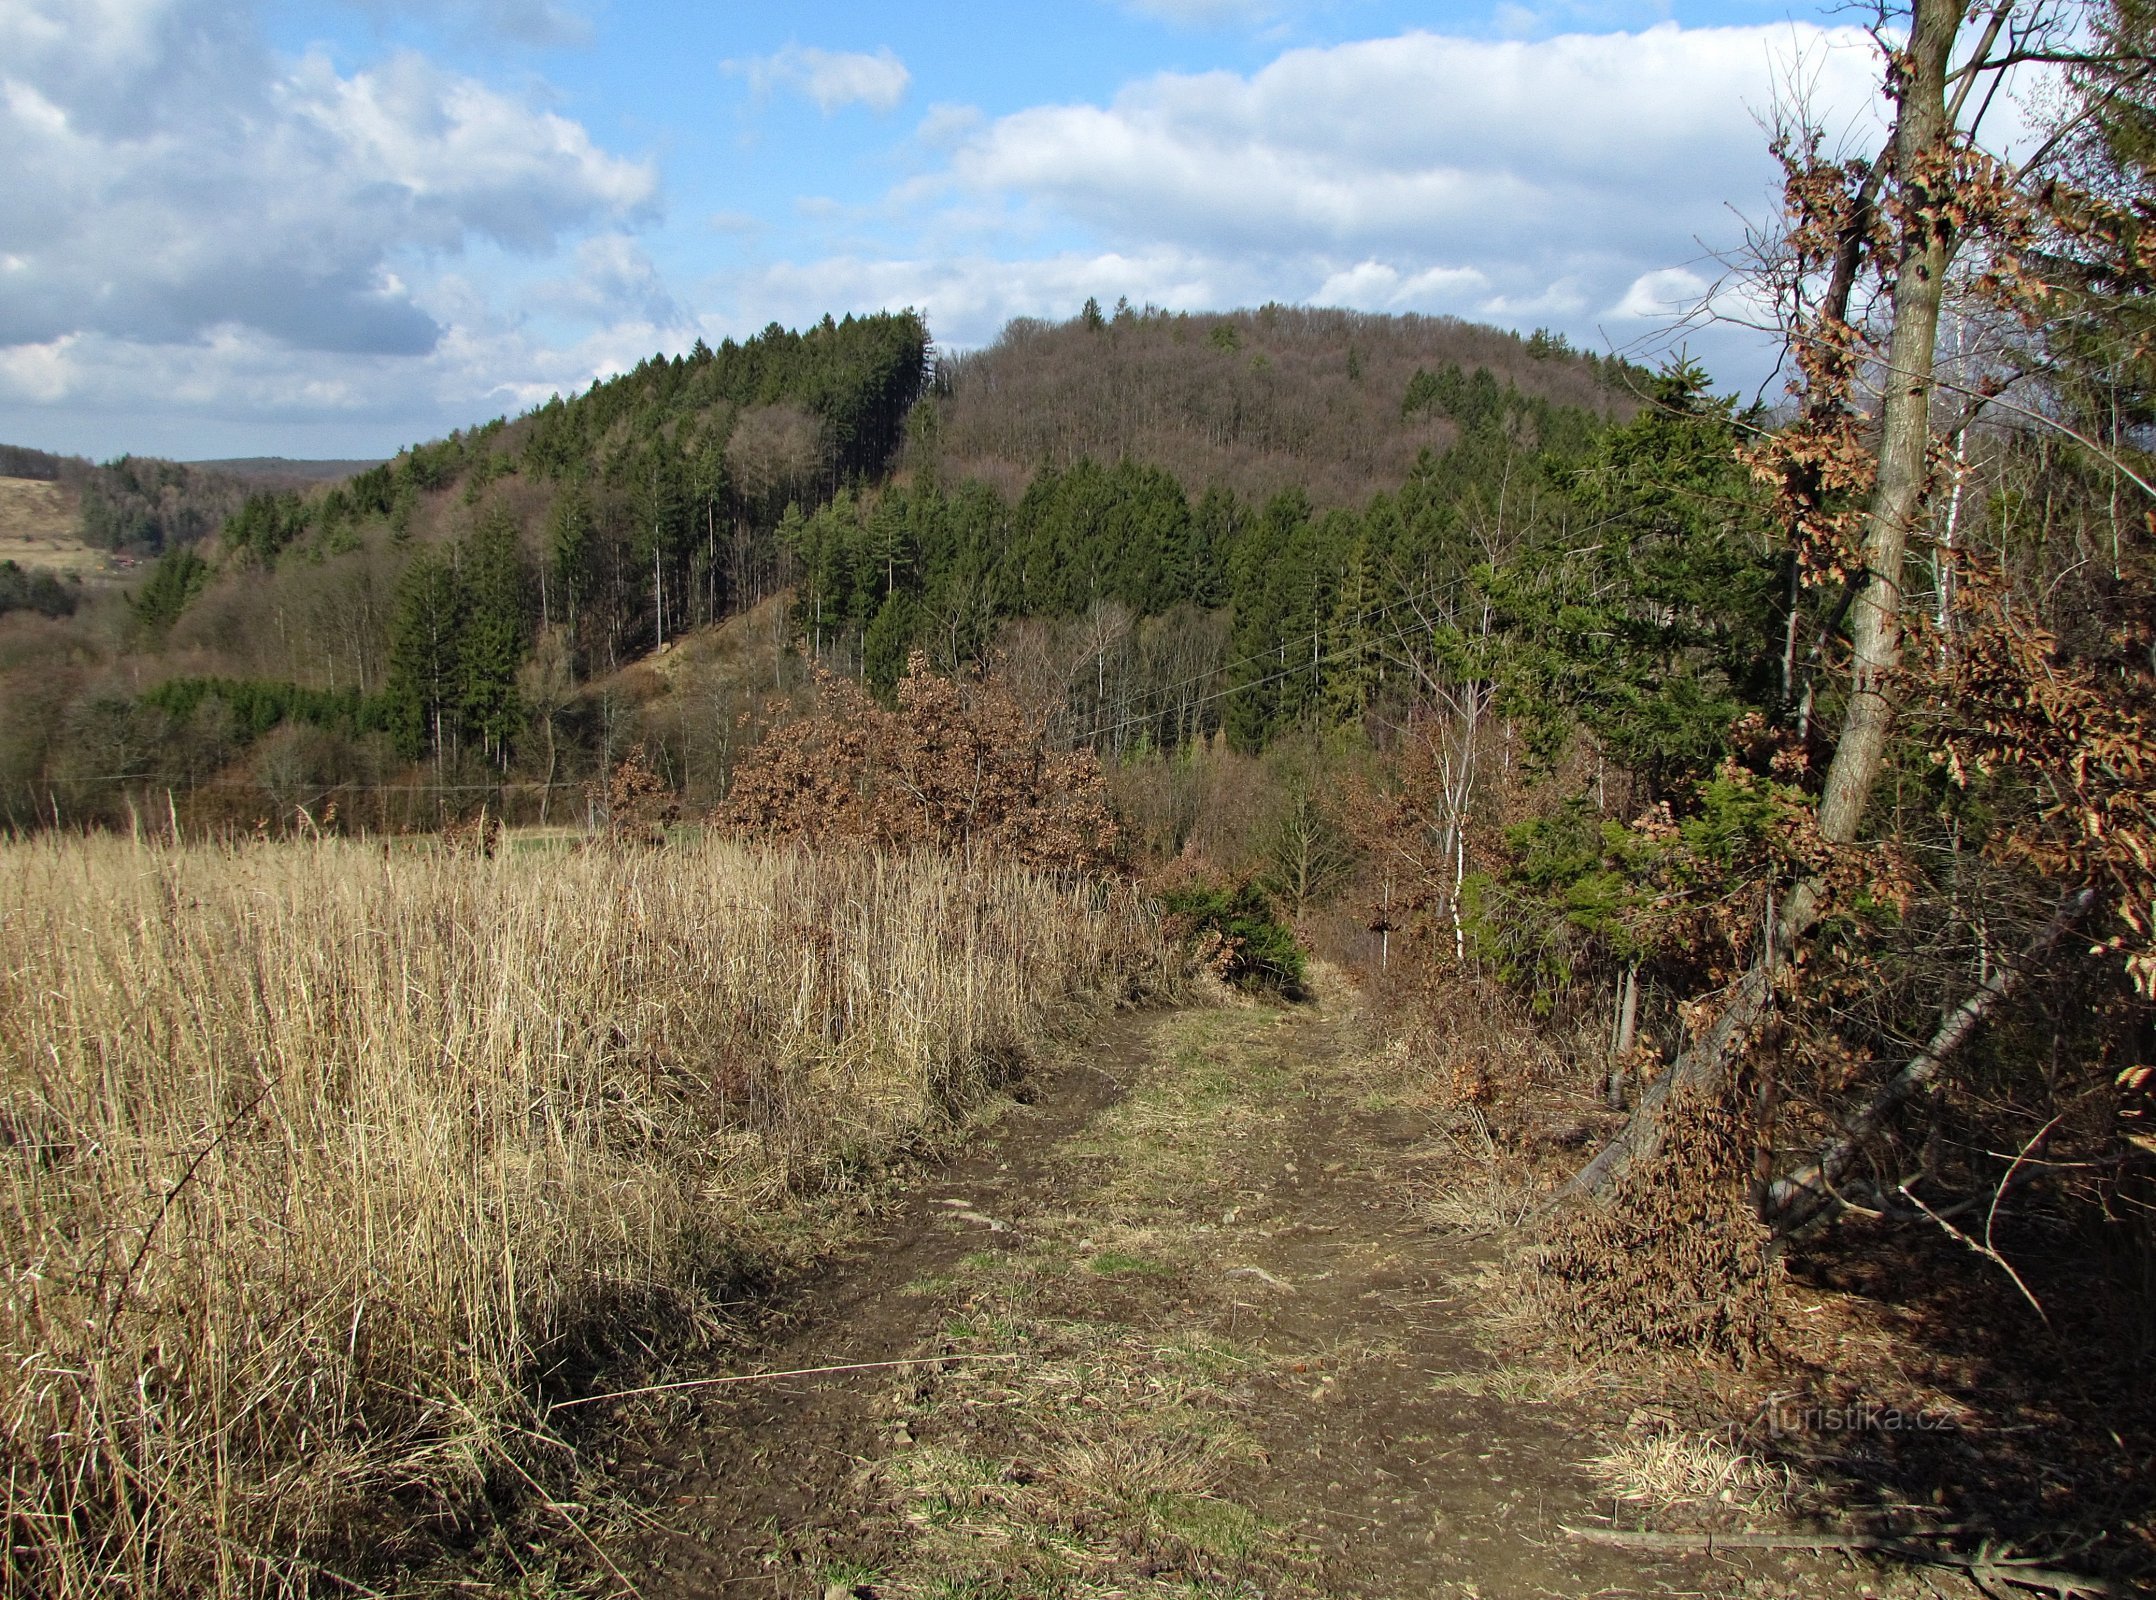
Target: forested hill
[
  {"x": 1177, "y": 504},
  {"x": 1256, "y": 401}
]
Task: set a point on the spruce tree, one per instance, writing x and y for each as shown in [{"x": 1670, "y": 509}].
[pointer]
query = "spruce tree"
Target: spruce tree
[
  {"x": 422, "y": 693},
  {"x": 497, "y": 620}
]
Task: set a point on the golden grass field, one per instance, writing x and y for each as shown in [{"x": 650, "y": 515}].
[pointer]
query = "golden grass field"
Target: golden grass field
[
  {"x": 39, "y": 528},
  {"x": 326, "y": 1167}
]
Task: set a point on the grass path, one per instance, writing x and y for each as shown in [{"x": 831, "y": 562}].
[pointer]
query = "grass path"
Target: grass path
[{"x": 1210, "y": 1350}]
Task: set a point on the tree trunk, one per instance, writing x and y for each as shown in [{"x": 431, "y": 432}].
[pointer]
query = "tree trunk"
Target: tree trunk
[
  {"x": 1794, "y": 1201},
  {"x": 1622, "y": 1038},
  {"x": 1923, "y": 131}
]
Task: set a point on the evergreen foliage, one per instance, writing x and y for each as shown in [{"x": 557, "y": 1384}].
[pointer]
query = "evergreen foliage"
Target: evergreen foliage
[
  {"x": 177, "y": 578},
  {"x": 33, "y": 589},
  {"x": 255, "y": 707},
  {"x": 1230, "y": 927}
]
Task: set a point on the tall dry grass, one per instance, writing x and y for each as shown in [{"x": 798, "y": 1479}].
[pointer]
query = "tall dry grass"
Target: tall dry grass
[{"x": 325, "y": 1166}]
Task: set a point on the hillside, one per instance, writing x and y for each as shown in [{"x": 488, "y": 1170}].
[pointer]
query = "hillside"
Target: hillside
[
  {"x": 1131, "y": 517},
  {"x": 1258, "y": 401},
  {"x": 132, "y": 506},
  {"x": 41, "y": 528}
]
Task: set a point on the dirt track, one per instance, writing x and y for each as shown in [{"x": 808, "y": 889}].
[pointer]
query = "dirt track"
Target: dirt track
[{"x": 1177, "y": 1329}]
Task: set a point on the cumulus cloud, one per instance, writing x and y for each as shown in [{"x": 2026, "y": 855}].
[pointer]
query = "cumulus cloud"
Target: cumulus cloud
[
  {"x": 1664, "y": 292},
  {"x": 946, "y": 124},
  {"x": 967, "y": 297},
  {"x": 1567, "y": 181},
  {"x": 1569, "y": 177},
  {"x": 1375, "y": 286},
  {"x": 834, "y": 79},
  {"x": 612, "y": 280},
  {"x": 237, "y": 388},
  {"x": 168, "y": 176}
]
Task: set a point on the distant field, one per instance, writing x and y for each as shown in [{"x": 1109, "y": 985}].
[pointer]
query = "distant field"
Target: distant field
[{"x": 39, "y": 528}]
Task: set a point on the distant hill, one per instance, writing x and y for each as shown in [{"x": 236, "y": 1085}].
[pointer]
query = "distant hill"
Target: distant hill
[
  {"x": 1257, "y": 401},
  {"x": 132, "y": 506},
  {"x": 286, "y": 471}
]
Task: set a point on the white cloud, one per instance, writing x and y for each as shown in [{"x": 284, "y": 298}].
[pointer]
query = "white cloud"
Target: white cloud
[
  {"x": 201, "y": 236},
  {"x": 612, "y": 280},
  {"x": 968, "y": 298},
  {"x": 39, "y": 373},
  {"x": 946, "y": 124},
  {"x": 235, "y": 387},
  {"x": 1375, "y": 286},
  {"x": 167, "y": 176},
  {"x": 1492, "y": 178},
  {"x": 1667, "y": 291},
  {"x": 1399, "y": 140},
  {"x": 834, "y": 79}
]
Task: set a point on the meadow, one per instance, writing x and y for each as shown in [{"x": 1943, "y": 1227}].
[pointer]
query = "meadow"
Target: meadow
[{"x": 329, "y": 1167}]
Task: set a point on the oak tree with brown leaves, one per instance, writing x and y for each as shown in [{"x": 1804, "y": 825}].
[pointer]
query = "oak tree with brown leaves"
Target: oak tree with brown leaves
[{"x": 951, "y": 766}]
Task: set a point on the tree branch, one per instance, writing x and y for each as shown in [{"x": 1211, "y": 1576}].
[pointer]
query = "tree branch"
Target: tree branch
[{"x": 1798, "y": 1199}]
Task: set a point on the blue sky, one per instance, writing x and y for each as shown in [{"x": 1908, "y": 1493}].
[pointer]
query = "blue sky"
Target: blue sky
[{"x": 306, "y": 228}]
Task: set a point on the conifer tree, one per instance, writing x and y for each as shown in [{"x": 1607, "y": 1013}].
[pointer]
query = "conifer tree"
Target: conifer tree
[
  {"x": 422, "y": 694},
  {"x": 496, "y": 631}
]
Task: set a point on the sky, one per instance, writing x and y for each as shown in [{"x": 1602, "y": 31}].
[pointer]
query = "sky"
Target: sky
[{"x": 336, "y": 227}]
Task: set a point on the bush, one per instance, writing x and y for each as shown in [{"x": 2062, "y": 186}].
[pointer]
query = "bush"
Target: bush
[
  {"x": 959, "y": 767},
  {"x": 29, "y": 589},
  {"x": 1228, "y": 926}
]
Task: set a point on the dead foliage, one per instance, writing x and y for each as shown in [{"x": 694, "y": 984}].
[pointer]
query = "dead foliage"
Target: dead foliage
[
  {"x": 1676, "y": 1259},
  {"x": 328, "y": 1166},
  {"x": 954, "y": 766},
  {"x": 635, "y": 800},
  {"x": 479, "y": 834}
]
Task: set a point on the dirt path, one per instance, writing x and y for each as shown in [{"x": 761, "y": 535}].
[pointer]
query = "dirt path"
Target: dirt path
[{"x": 1198, "y": 1342}]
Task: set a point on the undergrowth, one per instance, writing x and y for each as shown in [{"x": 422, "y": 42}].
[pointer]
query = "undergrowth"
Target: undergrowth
[{"x": 1229, "y": 927}]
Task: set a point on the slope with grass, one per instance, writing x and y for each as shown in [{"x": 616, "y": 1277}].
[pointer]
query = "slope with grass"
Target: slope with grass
[{"x": 41, "y": 528}]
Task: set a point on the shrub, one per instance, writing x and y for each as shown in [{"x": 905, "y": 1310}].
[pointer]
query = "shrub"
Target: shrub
[
  {"x": 955, "y": 767},
  {"x": 1228, "y": 926}
]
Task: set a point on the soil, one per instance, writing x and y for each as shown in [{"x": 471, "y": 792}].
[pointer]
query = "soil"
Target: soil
[{"x": 1180, "y": 1326}]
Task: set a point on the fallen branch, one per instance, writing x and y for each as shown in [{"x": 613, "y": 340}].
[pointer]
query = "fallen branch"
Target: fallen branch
[
  {"x": 1987, "y": 1249},
  {"x": 1704, "y": 1064},
  {"x": 1986, "y": 1566}
]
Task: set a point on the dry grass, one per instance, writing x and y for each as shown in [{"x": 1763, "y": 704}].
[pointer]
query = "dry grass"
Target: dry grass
[
  {"x": 39, "y": 528},
  {"x": 1666, "y": 1469},
  {"x": 326, "y": 1166}
]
